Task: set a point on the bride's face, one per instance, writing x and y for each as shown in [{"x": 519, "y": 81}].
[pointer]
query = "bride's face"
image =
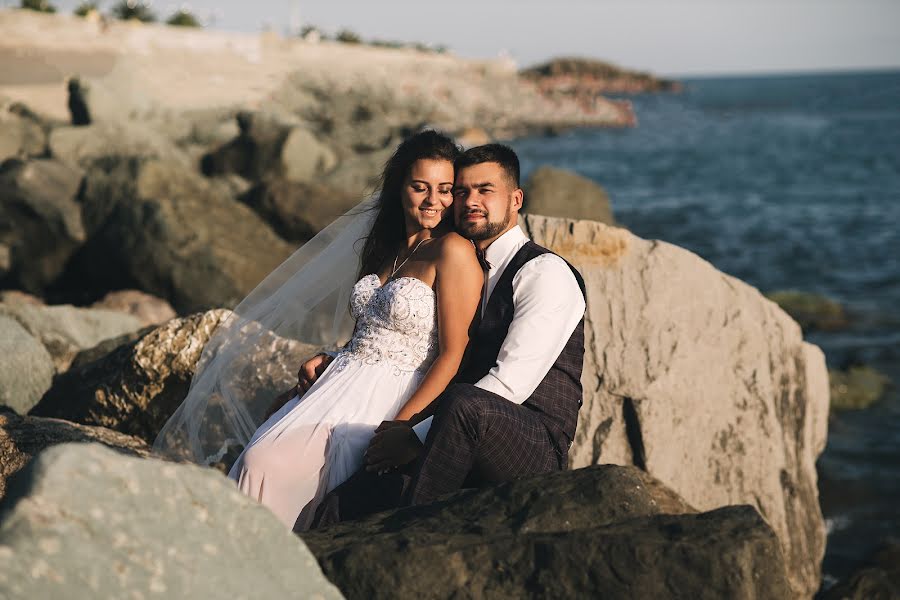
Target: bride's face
[{"x": 426, "y": 194}]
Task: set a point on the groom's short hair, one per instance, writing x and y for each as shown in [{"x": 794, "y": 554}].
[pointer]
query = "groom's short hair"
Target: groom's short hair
[{"x": 497, "y": 153}]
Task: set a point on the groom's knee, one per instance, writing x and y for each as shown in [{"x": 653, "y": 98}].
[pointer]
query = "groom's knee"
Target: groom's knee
[{"x": 463, "y": 400}]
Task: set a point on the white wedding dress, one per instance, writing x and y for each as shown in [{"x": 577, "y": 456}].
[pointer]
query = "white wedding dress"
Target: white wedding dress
[{"x": 315, "y": 442}]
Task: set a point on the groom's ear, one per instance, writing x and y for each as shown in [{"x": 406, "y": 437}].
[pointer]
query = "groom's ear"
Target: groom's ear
[{"x": 518, "y": 197}]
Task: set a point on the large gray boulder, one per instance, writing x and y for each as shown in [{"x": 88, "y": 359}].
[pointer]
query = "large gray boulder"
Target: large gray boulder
[
  {"x": 66, "y": 330},
  {"x": 168, "y": 231},
  {"x": 40, "y": 220},
  {"x": 556, "y": 192},
  {"x": 608, "y": 531},
  {"x": 298, "y": 211},
  {"x": 22, "y": 438},
  {"x": 270, "y": 145},
  {"x": 83, "y": 521},
  {"x": 26, "y": 369},
  {"x": 695, "y": 377}
]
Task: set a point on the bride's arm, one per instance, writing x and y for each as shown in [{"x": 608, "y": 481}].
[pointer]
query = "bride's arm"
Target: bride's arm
[{"x": 458, "y": 287}]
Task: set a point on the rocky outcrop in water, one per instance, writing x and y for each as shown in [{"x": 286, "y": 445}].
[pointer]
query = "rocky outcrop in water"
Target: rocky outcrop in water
[
  {"x": 587, "y": 78},
  {"x": 877, "y": 579},
  {"x": 607, "y": 531},
  {"x": 812, "y": 311},
  {"x": 856, "y": 387},
  {"x": 22, "y": 438},
  {"x": 84, "y": 522},
  {"x": 556, "y": 192},
  {"x": 695, "y": 377}
]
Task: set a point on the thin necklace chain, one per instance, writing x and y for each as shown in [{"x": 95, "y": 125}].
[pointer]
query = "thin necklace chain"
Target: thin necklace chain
[{"x": 400, "y": 266}]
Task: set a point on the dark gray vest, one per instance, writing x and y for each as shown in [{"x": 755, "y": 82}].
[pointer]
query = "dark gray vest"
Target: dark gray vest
[{"x": 558, "y": 396}]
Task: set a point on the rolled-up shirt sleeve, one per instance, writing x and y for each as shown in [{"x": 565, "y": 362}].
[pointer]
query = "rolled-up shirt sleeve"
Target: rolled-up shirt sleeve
[{"x": 548, "y": 305}]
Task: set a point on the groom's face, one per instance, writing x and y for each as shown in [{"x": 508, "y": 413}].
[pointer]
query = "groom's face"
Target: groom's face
[{"x": 486, "y": 202}]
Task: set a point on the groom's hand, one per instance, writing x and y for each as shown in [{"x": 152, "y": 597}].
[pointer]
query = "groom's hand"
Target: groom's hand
[{"x": 395, "y": 444}]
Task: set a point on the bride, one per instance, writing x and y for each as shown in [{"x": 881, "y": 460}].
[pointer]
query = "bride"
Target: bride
[{"x": 414, "y": 298}]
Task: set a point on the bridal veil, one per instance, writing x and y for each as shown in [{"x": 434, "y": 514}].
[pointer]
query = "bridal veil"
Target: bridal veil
[{"x": 254, "y": 355}]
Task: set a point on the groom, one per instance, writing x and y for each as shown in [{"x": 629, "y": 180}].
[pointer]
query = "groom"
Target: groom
[{"x": 513, "y": 408}]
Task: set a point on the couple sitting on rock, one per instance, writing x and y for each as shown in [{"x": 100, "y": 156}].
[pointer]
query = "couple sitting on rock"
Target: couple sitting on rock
[{"x": 464, "y": 365}]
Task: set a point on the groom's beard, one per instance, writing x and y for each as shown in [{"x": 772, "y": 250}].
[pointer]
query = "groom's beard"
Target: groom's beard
[{"x": 483, "y": 230}]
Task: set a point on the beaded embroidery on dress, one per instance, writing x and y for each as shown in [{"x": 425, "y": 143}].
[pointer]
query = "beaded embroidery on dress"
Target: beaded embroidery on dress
[
  {"x": 395, "y": 323},
  {"x": 315, "y": 442}
]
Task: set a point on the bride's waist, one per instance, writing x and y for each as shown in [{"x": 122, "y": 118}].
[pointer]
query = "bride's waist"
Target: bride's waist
[{"x": 417, "y": 355}]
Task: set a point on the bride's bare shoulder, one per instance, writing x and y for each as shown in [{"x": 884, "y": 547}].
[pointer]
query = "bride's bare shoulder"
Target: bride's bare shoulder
[
  {"x": 452, "y": 242},
  {"x": 454, "y": 249}
]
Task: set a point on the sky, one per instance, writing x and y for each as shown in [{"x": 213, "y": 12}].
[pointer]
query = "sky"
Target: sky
[{"x": 666, "y": 37}]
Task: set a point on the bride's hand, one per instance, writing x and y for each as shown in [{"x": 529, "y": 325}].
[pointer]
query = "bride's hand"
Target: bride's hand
[{"x": 310, "y": 371}]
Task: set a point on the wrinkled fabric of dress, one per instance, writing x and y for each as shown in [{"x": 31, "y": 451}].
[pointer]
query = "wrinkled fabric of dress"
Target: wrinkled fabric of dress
[{"x": 316, "y": 442}]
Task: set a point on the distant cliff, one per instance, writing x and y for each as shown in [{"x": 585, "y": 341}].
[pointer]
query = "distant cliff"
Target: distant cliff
[{"x": 583, "y": 79}]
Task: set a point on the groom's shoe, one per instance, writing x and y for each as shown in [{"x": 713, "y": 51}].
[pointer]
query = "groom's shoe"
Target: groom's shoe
[{"x": 365, "y": 493}]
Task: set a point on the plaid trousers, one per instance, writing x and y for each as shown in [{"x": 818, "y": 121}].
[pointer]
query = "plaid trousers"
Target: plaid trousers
[{"x": 479, "y": 438}]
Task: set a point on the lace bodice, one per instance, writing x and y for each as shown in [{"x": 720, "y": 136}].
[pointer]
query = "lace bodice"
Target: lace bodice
[{"x": 396, "y": 323}]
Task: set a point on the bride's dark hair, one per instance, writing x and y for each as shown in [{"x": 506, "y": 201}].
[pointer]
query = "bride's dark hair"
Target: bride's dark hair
[{"x": 389, "y": 229}]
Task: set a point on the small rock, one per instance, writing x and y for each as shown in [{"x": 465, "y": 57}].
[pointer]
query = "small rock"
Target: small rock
[
  {"x": 857, "y": 387},
  {"x": 150, "y": 310},
  {"x": 304, "y": 157},
  {"x": 12, "y": 297},
  {"x": 559, "y": 193},
  {"x": 26, "y": 370},
  {"x": 473, "y": 136},
  {"x": 812, "y": 311},
  {"x": 83, "y": 522}
]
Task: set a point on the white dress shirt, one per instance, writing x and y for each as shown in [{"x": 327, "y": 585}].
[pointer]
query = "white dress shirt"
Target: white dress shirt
[{"x": 548, "y": 304}]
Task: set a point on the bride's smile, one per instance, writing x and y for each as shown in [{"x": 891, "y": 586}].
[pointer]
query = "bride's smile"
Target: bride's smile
[{"x": 426, "y": 195}]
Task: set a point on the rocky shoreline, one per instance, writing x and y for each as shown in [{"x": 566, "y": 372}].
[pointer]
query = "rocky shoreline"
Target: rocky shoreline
[
  {"x": 707, "y": 439},
  {"x": 208, "y": 159}
]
